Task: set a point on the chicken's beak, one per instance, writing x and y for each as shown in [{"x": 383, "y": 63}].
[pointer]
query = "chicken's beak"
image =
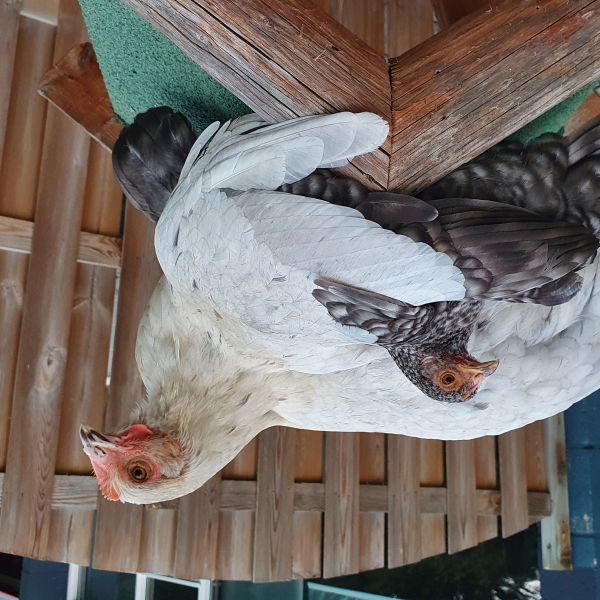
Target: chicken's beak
[
  {"x": 95, "y": 442},
  {"x": 475, "y": 373}
]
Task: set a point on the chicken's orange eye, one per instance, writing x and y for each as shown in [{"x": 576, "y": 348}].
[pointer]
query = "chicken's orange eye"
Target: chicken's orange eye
[
  {"x": 138, "y": 472},
  {"x": 448, "y": 378}
]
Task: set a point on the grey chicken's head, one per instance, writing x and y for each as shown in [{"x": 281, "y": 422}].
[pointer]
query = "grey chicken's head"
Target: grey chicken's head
[{"x": 443, "y": 376}]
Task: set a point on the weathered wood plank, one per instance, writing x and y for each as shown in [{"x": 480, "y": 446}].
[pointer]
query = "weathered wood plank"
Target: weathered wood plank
[
  {"x": 535, "y": 457},
  {"x": 75, "y": 85},
  {"x": 19, "y": 169},
  {"x": 341, "y": 535},
  {"x": 157, "y": 540},
  {"x": 236, "y": 541},
  {"x": 87, "y": 361},
  {"x": 460, "y": 477},
  {"x": 43, "y": 342},
  {"x": 273, "y": 527},
  {"x": 283, "y": 58},
  {"x": 103, "y": 208},
  {"x": 550, "y": 49},
  {"x": 513, "y": 482},
  {"x": 236, "y": 529},
  {"x": 404, "y": 515},
  {"x": 42, "y": 10},
  {"x": 70, "y": 535},
  {"x": 364, "y": 18},
  {"x": 9, "y": 31},
  {"x": 94, "y": 249},
  {"x": 486, "y": 478},
  {"x": 409, "y": 22},
  {"x": 433, "y": 526},
  {"x": 197, "y": 532},
  {"x": 450, "y": 11},
  {"x": 307, "y": 524},
  {"x": 372, "y": 524},
  {"x": 555, "y": 529},
  {"x": 13, "y": 272},
  {"x": 79, "y": 492},
  {"x": 25, "y": 517},
  {"x": 118, "y": 527}
]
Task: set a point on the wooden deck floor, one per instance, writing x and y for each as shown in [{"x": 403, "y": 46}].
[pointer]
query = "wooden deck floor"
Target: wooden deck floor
[{"x": 293, "y": 503}]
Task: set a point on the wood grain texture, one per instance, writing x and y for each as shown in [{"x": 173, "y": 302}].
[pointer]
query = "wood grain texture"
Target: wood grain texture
[
  {"x": 9, "y": 31},
  {"x": 236, "y": 545},
  {"x": 43, "y": 342},
  {"x": 13, "y": 272},
  {"x": 513, "y": 482},
  {"x": 535, "y": 457},
  {"x": 433, "y": 526},
  {"x": 486, "y": 478},
  {"x": 69, "y": 537},
  {"x": 19, "y": 169},
  {"x": 157, "y": 540},
  {"x": 555, "y": 530},
  {"x": 41, "y": 10},
  {"x": 450, "y": 11},
  {"x": 103, "y": 208},
  {"x": 87, "y": 363},
  {"x": 513, "y": 63},
  {"x": 273, "y": 527},
  {"x": 79, "y": 492},
  {"x": 460, "y": 475},
  {"x": 372, "y": 524},
  {"x": 93, "y": 249},
  {"x": 118, "y": 527},
  {"x": 404, "y": 515},
  {"x": 283, "y": 58},
  {"x": 25, "y": 516},
  {"x": 308, "y": 525},
  {"x": 197, "y": 532},
  {"x": 409, "y": 22},
  {"x": 341, "y": 534},
  {"x": 75, "y": 86}
]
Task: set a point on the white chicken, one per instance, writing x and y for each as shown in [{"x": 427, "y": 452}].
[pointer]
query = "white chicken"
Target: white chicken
[{"x": 234, "y": 341}]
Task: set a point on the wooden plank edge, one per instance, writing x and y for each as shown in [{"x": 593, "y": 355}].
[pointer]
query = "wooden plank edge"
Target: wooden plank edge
[
  {"x": 555, "y": 528},
  {"x": 16, "y": 235},
  {"x": 80, "y": 492}
]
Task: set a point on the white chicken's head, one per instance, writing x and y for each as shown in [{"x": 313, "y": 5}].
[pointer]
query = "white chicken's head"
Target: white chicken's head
[{"x": 135, "y": 462}]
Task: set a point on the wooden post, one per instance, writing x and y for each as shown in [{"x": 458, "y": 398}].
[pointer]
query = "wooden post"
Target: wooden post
[
  {"x": 25, "y": 515},
  {"x": 283, "y": 58},
  {"x": 118, "y": 527},
  {"x": 483, "y": 78},
  {"x": 9, "y": 29},
  {"x": 556, "y": 530}
]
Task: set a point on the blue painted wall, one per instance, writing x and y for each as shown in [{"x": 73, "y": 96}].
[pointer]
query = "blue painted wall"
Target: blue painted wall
[{"x": 582, "y": 428}]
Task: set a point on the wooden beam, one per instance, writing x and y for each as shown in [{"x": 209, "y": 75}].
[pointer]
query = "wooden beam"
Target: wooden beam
[
  {"x": 118, "y": 527},
  {"x": 555, "y": 529},
  {"x": 513, "y": 481},
  {"x": 404, "y": 509},
  {"x": 94, "y": 249},
  {"x": 283, "y": 58},
  {"x": 341, "y": 535},
  {"x": 460, "y": 476},
  {"x": 274, "y": 523},
  {"x": 9, "y": 30},
  {"x": 483, "y": 78},
  {"x": 80, "y": 492},
  {"x": 450, "y": 11},
  {"x": 198, "y": 532},
  {"x": 75, "y": 85},
  {"x": 25, "y": 514}
]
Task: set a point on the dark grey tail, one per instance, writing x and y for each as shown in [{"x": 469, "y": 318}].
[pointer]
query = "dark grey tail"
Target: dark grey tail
[
  {"x": 149, "y": 155},
  {"x": 385, "y": 208}
]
